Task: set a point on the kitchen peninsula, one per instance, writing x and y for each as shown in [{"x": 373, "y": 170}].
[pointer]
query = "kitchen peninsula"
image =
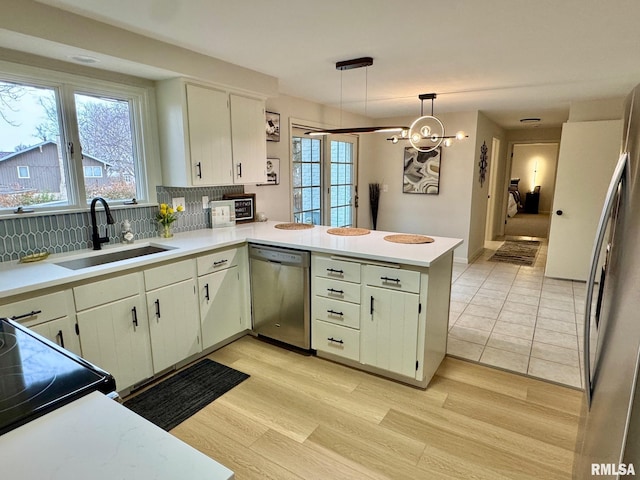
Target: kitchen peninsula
[{"x": 403, "y": 337}]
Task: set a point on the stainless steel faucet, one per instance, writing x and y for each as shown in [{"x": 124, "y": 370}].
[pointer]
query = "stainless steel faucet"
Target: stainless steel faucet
[{"x": 96, "y": 239}]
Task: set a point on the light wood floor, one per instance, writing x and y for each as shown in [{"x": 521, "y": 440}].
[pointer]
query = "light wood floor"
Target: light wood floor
[{"x": 301, "y": 417}]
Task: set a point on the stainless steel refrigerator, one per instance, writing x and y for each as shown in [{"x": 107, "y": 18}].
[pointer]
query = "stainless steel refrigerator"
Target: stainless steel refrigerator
[{"x": 608, "y": 444}]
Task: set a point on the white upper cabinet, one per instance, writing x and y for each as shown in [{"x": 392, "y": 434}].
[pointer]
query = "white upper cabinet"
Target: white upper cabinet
[
  {"x": 248, "y": 135},
  {"x": 208, "y": 137}
]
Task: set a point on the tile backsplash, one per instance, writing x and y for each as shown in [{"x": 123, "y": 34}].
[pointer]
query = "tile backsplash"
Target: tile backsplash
[{"x": 72, "y": 231}]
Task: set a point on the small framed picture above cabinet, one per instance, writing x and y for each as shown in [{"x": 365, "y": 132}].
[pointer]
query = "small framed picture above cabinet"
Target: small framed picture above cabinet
[
  {"x": 245, "y": 206},
  {"x": 273, "y": 126}
]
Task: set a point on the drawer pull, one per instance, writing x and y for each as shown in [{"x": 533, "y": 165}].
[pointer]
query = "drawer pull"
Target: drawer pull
[
  {"x": 332, "y": 312},
  {"x": 25, "y": 315},
  {"x": 221, "y": 262},
  {"x": 134, "y": 316},
  {"x": 388, "y": 279},
  {"x": 331, "y": 339},
  {"x": 60, "y": 338},
  {"x": 333, "y": 290},
  {"x": 333, "y": 270}
]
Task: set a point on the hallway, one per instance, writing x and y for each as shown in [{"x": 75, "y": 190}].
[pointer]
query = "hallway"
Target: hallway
[{"x": 512, "y": 317}]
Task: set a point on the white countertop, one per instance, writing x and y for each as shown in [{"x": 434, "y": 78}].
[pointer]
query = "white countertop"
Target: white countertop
[
  {"x": 16, "y": 278},
  {"x": 96, "y": 438}
]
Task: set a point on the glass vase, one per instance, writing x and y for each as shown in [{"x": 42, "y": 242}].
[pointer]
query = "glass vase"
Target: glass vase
[{"x": 165, "y": 230}]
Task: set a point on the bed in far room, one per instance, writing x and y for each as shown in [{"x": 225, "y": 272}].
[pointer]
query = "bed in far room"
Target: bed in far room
[{"x": 515, "y": 203}]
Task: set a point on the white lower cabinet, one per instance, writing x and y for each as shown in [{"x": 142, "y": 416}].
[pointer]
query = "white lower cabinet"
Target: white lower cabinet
[
  {"x": 51, "y": 315},
  {"x": 115, "y": 337},
  {"x": 173, "y": 313},
  {"x": 223, "y": 293},
  {"x": 389, "y": 330}
]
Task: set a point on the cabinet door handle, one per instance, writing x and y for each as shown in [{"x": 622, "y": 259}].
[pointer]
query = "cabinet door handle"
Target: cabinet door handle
[
  {"x": 206, "y": 292},
  {"x": 333, "y": 270},
  {"x": 157, "y": 302},
  {"x": 239, "y": 169},
  {"x": 387, "y": 279},
  {"x": 332, "y": 312},
  {"x": 60, "y": 338},
  {"x": 371, "y": 306},
  {"x": 333, "y": 290},
  {"x": 220, "y": 262},
  {"x": 199, "y": 167},
  {"x": 134, "y": 317},
  {"x": 25, "y": 315},
  {"x": 331, "y": 339}
]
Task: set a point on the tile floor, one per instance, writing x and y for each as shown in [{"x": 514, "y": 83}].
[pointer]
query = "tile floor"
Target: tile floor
[{"x": 513, "y": 317}]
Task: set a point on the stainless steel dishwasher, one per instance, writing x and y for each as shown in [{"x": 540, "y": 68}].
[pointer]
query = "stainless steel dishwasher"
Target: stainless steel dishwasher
[{"x": 280, "y": 294}]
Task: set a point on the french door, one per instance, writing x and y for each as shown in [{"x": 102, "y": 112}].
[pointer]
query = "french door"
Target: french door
[{"x": 324, "y": 179}]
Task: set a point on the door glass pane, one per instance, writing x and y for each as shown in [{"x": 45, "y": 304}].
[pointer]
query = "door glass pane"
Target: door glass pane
[
  {"x": 341, "y": 188},
  {"x": 32, "y": 163},
  {"x": 306, "y": 171},
  {"x": 105, "y": 129}
]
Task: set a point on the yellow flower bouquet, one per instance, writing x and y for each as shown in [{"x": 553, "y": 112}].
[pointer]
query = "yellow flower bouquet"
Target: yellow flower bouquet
[{"x": 165, "y": 217}]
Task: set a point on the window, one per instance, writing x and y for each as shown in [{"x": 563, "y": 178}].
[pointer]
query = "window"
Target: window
[
  {"x": 23, "y": 172},
  {"x": 70, "y": 139},
  {"x": 93, "y": 172},
  {"x": 324, "y": 165}
]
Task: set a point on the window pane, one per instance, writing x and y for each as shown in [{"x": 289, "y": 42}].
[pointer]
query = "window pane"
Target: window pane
[
  {"x": 32, "y": 169},
  {"x": 104, "y": 125}
]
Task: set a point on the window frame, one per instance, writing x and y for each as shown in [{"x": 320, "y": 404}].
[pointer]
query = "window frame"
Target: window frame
[
  {"x": 143, "y": 122},
  {"x": 28, "y": 172}
]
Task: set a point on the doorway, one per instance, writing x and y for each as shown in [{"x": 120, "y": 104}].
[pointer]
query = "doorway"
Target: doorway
[{"x": 531, "y": 188}]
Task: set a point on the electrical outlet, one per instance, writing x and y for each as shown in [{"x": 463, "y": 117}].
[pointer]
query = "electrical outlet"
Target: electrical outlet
[
  {"x": 177, "y": 202},
  {"x": 385, "y": 188},
  {"x": 205, "y": 202}
]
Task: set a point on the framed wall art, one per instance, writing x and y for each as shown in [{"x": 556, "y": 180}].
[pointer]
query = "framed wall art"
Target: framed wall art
[
  {"x": 421, "y": 171},
  {"x": 245, "y": 206},
  {"x": 273, "y": 126},
  {"x": 273, "y": 172}
]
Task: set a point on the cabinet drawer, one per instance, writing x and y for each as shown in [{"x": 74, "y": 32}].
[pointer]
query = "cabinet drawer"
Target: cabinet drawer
[
  {"x": 164, "y": 275},
  {"x": 337, "y": 340},
  {"x": 336, "y": 269},
  {"x": 337, "y": 290},
  {"x": 335, "y": 311},
  {"x": 107, "y": 291},
  {"x": 216, "y": 261},
  {"x": 37, "y": 309},
  {"x": 393, "y": 278}
]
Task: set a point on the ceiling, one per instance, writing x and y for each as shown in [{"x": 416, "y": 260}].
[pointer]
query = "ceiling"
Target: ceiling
[{"x": 508, "y": 58}]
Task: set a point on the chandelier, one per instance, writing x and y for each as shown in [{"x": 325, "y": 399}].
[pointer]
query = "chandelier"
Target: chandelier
[{"x": 426, "y": 133}]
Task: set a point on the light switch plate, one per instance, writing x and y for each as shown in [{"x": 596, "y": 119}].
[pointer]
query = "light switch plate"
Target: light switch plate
[
  {"x": 177, "y": 202},
  {"x": 385, "y": 188},
  {"x": 205, "y": 202}
]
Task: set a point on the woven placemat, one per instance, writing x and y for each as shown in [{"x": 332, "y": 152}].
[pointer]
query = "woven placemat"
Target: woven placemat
[
  {"x": 406, "y": 238},
  {"x": 293, "y": 226},
  {"x": 349, "y": 231}
]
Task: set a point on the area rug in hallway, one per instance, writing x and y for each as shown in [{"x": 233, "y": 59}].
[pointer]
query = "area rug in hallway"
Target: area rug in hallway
[
  {"x": 175, "y": 399},
  {"x": 518, "y": 252}
]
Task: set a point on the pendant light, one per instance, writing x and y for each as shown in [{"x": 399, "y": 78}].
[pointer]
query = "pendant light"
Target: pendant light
[
  {"x": 349, "y": 65},
  {"x": 427, "y": 131}
]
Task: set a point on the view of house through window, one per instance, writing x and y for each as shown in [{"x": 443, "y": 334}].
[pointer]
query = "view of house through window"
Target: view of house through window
[
  {"x": 43, "y": 165},
  {"x": 32, "y": 164},
  {"x": 324, "y": 165}
]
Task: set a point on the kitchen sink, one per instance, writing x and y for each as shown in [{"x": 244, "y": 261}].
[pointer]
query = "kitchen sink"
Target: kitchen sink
[{"x": 92, "y": 261}]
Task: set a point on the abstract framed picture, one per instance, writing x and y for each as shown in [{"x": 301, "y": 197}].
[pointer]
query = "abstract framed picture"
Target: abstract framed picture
[
  {"x": 421, "y": 171},
  {"x": 273, "y": 126}
]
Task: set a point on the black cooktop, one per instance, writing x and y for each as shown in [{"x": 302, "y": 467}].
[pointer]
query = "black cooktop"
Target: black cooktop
[{"x": 37, "y": 376}]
